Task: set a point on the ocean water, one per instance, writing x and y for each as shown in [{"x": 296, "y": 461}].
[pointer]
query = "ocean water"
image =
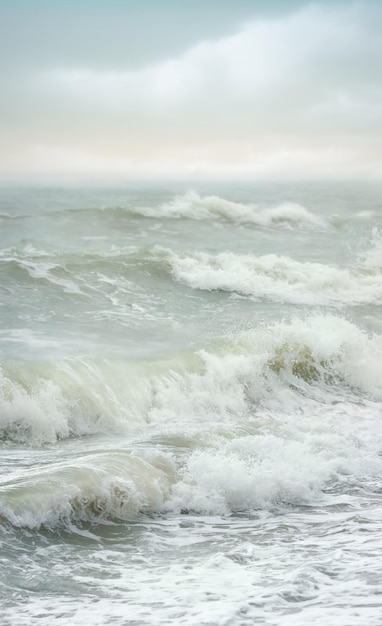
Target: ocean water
[{"x": 191, "y": 405}]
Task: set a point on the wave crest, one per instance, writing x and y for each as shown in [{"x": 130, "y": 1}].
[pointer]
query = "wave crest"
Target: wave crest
[
  {"x": 278, "y": 278},
  {"x": 267, "y": 418},
  {"x": 101, "y": 487},
  {"x": 41, "y": 403}
]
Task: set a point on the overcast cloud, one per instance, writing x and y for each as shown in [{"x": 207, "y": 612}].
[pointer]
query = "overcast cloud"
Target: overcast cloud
[{"x": 294, "y": 91}]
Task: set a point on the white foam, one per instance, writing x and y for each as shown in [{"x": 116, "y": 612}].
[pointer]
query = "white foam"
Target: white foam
[
  {"x": 45, "y": 271},
  {"x": 30, "y": 260},
  {"x": 41, "y": 403},
  {"x": 372, "y": 258},
  {"x": 281, "y": 278},
  {"x": 283, "y": 390},
  {"x": 365, "y": 215}
]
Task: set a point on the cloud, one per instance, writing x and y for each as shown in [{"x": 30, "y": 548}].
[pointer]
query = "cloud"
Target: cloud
[
  {"x": 314, "y": 53},
  {"x": 282, "y": 96}
]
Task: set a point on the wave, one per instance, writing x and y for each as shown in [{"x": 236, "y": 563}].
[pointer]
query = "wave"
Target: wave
[
  {"x": 193, "y": 206},
  {"x": 233, "y": 474},
  {"x": 44, "y": 271},
  {"x": 77, "y": 273},
  {"x": 281, "y": 278},
  {"x": 9, "y": 217},
  {"x": 273, "y": 417},
  {"x": 290, "y": 463},
  {"x": 104, "y": 486},
  {"x": 270, "y": 276},
  {"x": 41, "y": 403}
]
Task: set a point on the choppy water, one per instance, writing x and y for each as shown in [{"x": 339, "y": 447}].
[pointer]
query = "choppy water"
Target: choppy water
[{"x": 191, "y": 405}]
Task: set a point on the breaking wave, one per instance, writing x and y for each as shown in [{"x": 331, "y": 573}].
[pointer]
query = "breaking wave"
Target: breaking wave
[
  {"x": 271, "y": 276},
  {"x": 282, "y": 278},
  {"x": 43, "y": 402},
  {"x": 104, "y": 486},
  {"x": 271, "y": 417}
]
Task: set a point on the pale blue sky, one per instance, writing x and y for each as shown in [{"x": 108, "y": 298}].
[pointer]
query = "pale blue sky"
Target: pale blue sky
[{"x": 188, "y": 88}]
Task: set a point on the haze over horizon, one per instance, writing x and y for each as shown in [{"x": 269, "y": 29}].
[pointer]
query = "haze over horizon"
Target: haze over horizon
[{"x": 241, "y": 90}]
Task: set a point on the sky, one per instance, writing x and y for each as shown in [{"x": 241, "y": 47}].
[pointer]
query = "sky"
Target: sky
[{"x": 188, "y": 89}]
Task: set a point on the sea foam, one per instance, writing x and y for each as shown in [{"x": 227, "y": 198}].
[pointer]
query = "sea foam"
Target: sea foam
[{"x": 372, "y": 257}]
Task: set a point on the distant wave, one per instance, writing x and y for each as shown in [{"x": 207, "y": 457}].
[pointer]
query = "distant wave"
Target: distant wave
[
  {"x": 287, "y": 214},
  {"x": 193, "y": 206},
  {"x": 35, "y": 265},
  {"x": 80, "y": 273},
  {"x": 8, "y": 216}
]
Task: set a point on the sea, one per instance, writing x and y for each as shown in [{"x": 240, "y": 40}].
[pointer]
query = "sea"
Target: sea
[{"x": 191, "y": 404}]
